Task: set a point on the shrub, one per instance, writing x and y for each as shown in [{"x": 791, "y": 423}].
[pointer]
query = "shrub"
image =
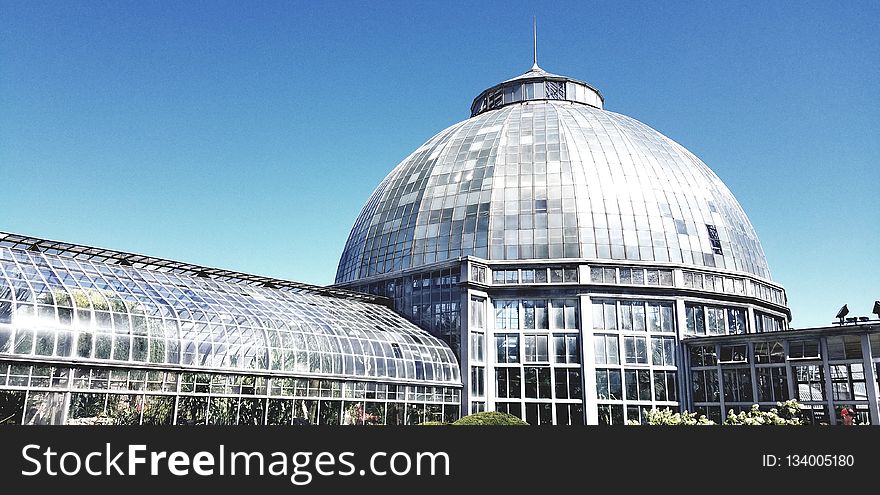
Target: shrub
[
  {"x": 665, "y": 417},
  {"x": 786, "y": 413},
  {"x": 490, "y": 418}
]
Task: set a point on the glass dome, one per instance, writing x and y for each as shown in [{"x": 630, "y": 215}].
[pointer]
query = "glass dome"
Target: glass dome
[{"x": 541, "y": 171}]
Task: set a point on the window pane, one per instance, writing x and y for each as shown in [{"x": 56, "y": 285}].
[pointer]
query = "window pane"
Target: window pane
[
  {"x": 599, "y": 349},
  {"x": 668, "y": 318},
  {"x": 613, "y": 353},
  {"x": 543, "y": 344},
  {"x": 641, "y": 350},
  {"x": 541, "y": 314},
  {"x": 598, "y": 315}
]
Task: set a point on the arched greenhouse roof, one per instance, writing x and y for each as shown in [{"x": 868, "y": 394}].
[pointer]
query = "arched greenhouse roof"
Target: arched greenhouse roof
[{"x": 66, "y": 302}]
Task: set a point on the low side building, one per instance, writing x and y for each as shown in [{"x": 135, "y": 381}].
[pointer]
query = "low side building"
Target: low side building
[
  {"x": 826, "y": 369},
  {"x": 95, "y": 336}
]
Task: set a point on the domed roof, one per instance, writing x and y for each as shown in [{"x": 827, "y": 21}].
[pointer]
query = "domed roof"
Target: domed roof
[{"x": 543, "y": 175}]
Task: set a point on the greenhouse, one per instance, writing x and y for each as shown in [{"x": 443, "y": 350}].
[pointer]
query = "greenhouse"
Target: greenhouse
[
  {"x": 564, "y": 252},
  {"x": 92, "y": 336}
]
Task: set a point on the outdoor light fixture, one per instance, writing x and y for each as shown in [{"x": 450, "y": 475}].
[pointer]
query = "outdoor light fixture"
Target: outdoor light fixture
[{"x": 842, "y": 314}]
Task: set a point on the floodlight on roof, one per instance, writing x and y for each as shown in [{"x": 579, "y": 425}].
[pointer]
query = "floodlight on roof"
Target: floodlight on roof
[{"x": 841, "y": 314}]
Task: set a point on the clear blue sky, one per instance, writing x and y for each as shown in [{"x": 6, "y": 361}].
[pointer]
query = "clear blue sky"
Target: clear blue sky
[{"x": 247, "y": 135}]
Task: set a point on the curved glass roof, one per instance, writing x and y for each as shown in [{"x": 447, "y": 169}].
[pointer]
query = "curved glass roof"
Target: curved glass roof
[
  {"x": 62, "y": 308},
  {"x": 551, "y": 179}
]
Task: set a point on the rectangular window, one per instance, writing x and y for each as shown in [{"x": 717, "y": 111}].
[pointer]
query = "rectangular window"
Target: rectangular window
[
  {"x": 507, "y": 382},
  {"x": 696, "y": 323},
  {"x": 663, "y": 351},
  {"x": 810, "y": 383},
  {"x": 566, "y": 349},
  {"x": 609, "y": 275},
  {"x": 555, "y": 275},
  {"x": 635, "y": 350},
  {"x": 608, "y": 385},
  {"x": 665, "y": 386},
  {"x": 536, "y": 348},
  {"x": 507, "y": 348},
  {"x": 733, "y": 354},
  {"x": 626, "y": 315},
  {"x": 598, "y": 315},
  {"x": 769, "y": 352},
  {"x": 767, "y": 323},
  {"x": 653, "y": 312},
  {"x": 478, "y": 342},
  {"x": 570, "y": 414},
  {"x": 528, "y": 276},
  {"x": 568, "y": 383},
  {"x": 667, "y": 318},
  {"x": 606, "y": 349},
  {"x": 537, "y": 382},
  {"x": 736, "y": 321},
  {"x": 528, "y": 314},
  {"x": 541, "y": 276},
  {"x": 714, "y": 240},
  {"x": 538, "y": 413},
  {"x": 803, "y": 349},
  {"x": 638, "y": 314},
  {"x": 772, "y": 384},
  {"x": 478, "y": 374},
  {"x": 874, "y": 340},
  {"x": 611, "y": 414},
  {"x": 738, "y": 385},
  {"x": 705, "y": 385},
  {"x": 514, "y": 408},
  {"x": 848, "y": 382},
  {"x": 478, "y": 313},
  {"x": 557, "y": 314},
  {"x": 638, "y": 276},
  {"x": 844, "y": 347},
  {"x": 506, "y": 315},
  {"x": 570, "y": 310},
  {"x": 689, "y": 279},
  {"x": 638, "y": 384},
  {"x": 610, "y": 312},
  {"x": 570, "y": 275},
  {"x": 632, "y": 316},
  {"x": 478, "y": 273},
  {"x": 715, "y": 321}
]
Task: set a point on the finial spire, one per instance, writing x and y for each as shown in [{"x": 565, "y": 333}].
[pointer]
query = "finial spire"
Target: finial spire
[{"x": 535, "y": 55}]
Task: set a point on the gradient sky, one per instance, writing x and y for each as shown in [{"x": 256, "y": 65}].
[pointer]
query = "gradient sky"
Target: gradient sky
[{"x": 247, "y": 135}]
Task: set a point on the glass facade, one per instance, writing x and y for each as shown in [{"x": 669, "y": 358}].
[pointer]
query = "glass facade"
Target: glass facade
[
  {"x": 635, "y": 352},
  {"x": 825, "y": 370},
  {"x": 430, "y": 299},
  {"x": 82, "y": 395},
  {"x": 537, "y": 360},
  {"x": 84, "y": 339},
  {"x": 584, "y": 246}
]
